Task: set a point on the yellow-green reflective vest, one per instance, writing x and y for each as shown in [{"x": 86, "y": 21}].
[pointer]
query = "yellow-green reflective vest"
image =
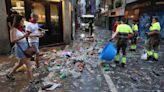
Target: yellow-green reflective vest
[
  {"x": 135, "y": 27},
  {"x": 124, "y": 28},
  {"x": 155, "y": 27}
]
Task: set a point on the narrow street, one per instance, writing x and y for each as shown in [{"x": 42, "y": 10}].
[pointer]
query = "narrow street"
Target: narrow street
[
  {"x": 137, "y": 76},
  {"x": 70, "y": 59}
]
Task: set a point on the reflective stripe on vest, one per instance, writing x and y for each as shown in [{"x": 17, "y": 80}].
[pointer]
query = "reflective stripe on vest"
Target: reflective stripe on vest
[{"x": 123, "y": 35}]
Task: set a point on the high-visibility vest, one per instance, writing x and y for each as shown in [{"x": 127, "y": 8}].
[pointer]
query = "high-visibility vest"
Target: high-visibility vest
[
  {"x": 155, "y": 27},
  {"x": 135, "y": 27},
  {"x": 124, "y": 30}
]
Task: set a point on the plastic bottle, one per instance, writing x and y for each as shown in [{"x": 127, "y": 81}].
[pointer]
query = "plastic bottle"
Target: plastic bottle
[{"x": 62, "y": 76}]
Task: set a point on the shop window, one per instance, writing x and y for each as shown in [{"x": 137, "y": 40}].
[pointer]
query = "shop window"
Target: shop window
[
  {"x": 54, "y": 14},
  {"x": 39, "y": 8},
  {"x": 18, "y": 5}
]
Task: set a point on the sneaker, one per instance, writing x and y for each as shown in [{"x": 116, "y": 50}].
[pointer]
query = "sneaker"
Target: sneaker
[{"x": 10, "y": 77}]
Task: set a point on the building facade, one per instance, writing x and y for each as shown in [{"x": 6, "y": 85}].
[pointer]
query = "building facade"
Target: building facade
[
  {"x": 4, "y": 34},
  {"x": 112, "y": 10},
  {"x": 143, "y": 11},
  {"x": 140, "y": 10}
]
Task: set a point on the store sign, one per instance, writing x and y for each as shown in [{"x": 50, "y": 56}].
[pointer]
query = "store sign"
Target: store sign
[
  {"x": 117, "y": 12},
  {"x": 144, "y": 4}
]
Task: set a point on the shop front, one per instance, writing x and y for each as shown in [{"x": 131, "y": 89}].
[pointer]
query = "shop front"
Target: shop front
[
  {"x": 143, "y": 11},
  {"x": 50, "y": 16}
]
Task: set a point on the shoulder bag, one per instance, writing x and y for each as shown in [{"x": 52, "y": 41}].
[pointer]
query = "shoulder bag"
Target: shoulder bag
[{"x": 30, "y": 51}]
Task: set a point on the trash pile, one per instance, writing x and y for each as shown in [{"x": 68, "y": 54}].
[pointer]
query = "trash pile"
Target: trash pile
[
  {"x": 77, "y": 66},
  {"x": 68, "y": 63}
]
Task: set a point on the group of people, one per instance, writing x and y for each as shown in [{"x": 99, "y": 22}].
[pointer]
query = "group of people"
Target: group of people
[
  {"x": 22, "y": 35},
  {"x": 123, "y": 32}
]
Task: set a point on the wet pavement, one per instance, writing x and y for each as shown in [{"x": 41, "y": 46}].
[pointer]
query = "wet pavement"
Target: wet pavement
[{"x": 76, "y": 68}]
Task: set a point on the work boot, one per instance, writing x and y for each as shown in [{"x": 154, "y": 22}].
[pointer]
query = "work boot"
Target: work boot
[
  {"x": 148, "y": 58},
  {"x": 123, "y": 61},
  {"x": 123, "y": 65},
  {"x": 155, "y": 56},
  {"x": 133, "y": 47},
  {"x": 117, "y": 58},
  {"x": 150, "y": 55},
  {"x": 132, "y": 50},
  {"x": 155, "y": 59}
]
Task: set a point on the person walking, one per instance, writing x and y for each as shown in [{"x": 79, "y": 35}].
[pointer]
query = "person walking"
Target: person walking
[
  {"x": 154, "y": 40},
  {"x": 134, "y": 38},
  {"x": 33, "y": 27},
  {"x": 18, "y": 36},
  {"x": 10, "y": 20},
  {"x": 123, "y": 30},
  {"x": 91, "y": 27}
]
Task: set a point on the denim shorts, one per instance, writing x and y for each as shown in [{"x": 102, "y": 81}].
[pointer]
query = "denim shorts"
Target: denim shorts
[
  {"x": 36, "y": 44},
  {"x": 18, "y": 52}
]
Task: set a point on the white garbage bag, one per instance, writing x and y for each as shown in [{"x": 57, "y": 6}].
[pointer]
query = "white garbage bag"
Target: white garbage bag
[{"x": 144, "y": 56}]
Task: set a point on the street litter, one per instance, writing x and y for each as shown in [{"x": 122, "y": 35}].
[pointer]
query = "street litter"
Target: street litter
[
  {"x": 50, "y": 85},
  {"x": 154, "y": 72},
  {"x": 144, "y": 56}
]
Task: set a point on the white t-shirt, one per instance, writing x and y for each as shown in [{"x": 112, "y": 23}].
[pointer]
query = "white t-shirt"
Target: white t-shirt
[{"x": 33, "y": 27}]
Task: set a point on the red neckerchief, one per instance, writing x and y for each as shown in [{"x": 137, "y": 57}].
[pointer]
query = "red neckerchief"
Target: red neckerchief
[
  {"x": 32, "y": 21},
  {"x": 20, "y": 28}
]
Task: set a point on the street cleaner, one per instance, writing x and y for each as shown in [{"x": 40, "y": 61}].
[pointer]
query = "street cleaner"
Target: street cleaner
[
  {"x": 134, "y": 38},
  {"x": 123, "y": 31},
  {"x": 153, "y": 40}
]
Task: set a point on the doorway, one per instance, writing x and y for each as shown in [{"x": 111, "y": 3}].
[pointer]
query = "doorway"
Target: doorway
[{"x": 50, "y": 17}]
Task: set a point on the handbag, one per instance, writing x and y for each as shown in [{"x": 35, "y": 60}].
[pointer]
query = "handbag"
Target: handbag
[{"x": 30, "y": 51}]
